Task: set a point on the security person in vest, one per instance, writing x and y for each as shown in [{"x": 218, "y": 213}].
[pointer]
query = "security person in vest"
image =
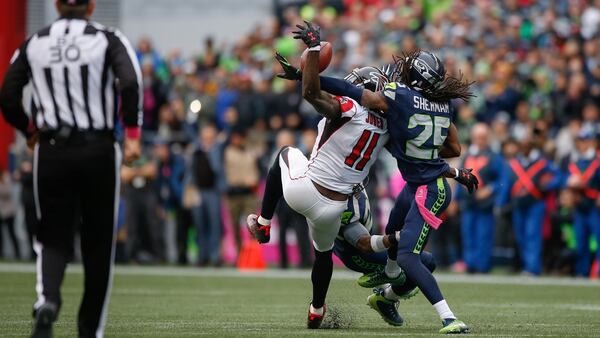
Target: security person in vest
[
  {"x": 526, "y": 181},
  {"x": 477, "y": 210},
  {"x": 80, "y": 73},
  {"x": 581, "y": 170}
]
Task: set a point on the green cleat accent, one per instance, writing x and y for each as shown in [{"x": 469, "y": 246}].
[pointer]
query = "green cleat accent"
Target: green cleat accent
[
  {"x": 409, "y": 294},
  {"x": 374, "y": 279},
  {"x": 387, "y": 309},
  {"x": 454, "y": 326}
]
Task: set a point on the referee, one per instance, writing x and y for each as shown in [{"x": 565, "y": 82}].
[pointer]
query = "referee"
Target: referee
[{"x": 80, "y": 73}]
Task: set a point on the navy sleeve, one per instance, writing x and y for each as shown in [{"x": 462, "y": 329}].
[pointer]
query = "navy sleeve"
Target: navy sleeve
[{"x": 340, "y": 87}]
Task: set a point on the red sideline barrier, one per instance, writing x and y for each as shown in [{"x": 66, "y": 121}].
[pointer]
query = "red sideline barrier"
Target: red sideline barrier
[{"x": 12, "y": 34}]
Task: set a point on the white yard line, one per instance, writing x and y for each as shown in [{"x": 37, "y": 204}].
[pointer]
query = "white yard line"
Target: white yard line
[{"x": 127, "y": 270}]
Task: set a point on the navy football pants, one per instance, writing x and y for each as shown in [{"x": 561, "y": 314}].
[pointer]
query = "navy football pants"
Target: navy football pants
[{"x": 414, "y": 232}]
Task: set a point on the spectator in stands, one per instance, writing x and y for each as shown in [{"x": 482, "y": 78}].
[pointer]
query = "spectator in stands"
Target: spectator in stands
[
  {"x": 242, "y": 176},
  {"x": 147, "y": 55},
  {"x": 206, "y": 173},
  {"x": 561, "y": 249},
  {"x": 527, "y": 179},
  {"x": 477, "y": 216},
  {"x": 144, "y": 228},
  {"x": 155, "y": 96},
  {"x": 210, "y": 58},
  {"x": 169, "y": 185},
  {"x": 582, "y": 170}
]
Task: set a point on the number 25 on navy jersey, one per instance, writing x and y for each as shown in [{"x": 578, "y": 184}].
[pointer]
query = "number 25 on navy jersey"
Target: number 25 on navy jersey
[
  {"x": 418, "y": 128},
  {"x": 427, "y": 122}
]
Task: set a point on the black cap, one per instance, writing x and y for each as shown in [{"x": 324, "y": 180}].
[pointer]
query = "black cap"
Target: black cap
[{"x": 74, "y": 2}]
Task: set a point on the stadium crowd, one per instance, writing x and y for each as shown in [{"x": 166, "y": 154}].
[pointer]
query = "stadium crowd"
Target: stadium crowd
[{"x": 212, "y": 124}]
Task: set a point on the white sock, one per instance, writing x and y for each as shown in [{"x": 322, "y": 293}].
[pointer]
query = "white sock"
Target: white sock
[
  {"x": 392, "y": 269},
  {"x": 443, "y": 310},
  {"x": 388, "y": 293},
  {"x": 263, "y": 221},
  {"x": 318, "y": 311}
]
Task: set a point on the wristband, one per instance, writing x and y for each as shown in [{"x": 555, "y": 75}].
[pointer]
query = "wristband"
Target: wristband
[
  {"x": 377, "y": 243},
  {"x": 457, "y": 173},
  {"x": 133, "y": 132},
  {"x": 316, "y": 48}
]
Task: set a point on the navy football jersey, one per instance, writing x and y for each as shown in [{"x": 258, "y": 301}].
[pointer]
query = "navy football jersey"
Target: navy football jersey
[{"x": 418, "y": 128}]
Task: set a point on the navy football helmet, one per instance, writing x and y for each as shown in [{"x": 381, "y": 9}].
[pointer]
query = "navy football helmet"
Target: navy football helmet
[
  {"x": 426, "y": 71},
  {"x": 370, "y": 78}
]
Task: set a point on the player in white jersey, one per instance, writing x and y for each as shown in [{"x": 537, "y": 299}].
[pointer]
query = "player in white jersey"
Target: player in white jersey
[
  {"x": 347, "y": 147},
  {"x": 344, "y": 151},
  {"x": 349, "y": 140}
]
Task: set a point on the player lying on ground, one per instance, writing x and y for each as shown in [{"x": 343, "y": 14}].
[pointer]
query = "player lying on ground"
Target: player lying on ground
[
  {"x": 419, "y": 113},
  {"x": 353, "y": 249}
]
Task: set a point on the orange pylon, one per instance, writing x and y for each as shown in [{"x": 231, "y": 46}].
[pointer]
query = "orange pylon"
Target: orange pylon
[{"x": 251, "y": 256}]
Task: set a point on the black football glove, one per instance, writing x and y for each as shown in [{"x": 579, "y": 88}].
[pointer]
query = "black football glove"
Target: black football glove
[
  {"x": 289, "y": 72},
  {"x": 466, "y": 178},
  {"x": 311, "y": 35}
]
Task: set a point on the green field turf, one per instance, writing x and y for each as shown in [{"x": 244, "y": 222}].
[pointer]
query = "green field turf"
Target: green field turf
[{"x": 189, "y": 302}]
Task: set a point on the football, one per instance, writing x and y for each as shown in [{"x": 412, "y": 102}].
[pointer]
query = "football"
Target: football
[{"x": 325, "y": 56}]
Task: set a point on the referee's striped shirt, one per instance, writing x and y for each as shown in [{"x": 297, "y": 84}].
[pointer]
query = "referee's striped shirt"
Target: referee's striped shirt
[{"x": 77, "y": 69}]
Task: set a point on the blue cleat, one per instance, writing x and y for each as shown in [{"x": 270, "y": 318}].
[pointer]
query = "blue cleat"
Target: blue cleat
[{"x": 387, "y": 309}]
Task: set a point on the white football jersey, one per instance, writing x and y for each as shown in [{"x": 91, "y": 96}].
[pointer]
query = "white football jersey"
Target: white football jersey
[{"x": 347, "y": 147}]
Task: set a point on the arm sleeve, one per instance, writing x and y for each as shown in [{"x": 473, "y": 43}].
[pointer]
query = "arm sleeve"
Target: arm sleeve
[
  {"x": 11, "y": 94},
  {"x": 340, "y": 87},
  {"x": 354, "y": 231},
  {"x": 124, "y": 63}
]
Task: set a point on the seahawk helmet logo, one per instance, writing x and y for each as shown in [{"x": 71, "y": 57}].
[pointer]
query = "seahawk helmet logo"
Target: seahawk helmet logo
[{"x": 427, "y": 71}]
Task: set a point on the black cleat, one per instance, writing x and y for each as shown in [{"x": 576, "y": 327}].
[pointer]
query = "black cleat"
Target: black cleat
[{"x": 45, "y": 315}]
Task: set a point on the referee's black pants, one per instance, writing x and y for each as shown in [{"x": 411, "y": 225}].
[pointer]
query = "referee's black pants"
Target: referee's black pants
[{"x": 76, "y": 186}]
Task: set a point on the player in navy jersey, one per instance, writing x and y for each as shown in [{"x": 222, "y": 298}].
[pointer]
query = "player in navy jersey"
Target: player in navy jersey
[
  {"x": 420, "y": 117},
  {"x": 352, "y": 247}
]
